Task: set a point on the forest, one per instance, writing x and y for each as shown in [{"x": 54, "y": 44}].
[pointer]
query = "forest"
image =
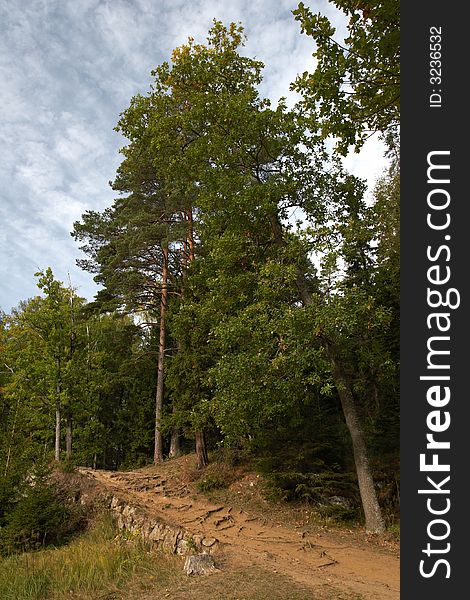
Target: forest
[{"x": 249, "y": 294}]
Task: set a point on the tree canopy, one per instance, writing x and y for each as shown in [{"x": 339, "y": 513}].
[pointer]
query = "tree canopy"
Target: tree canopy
[
  {"x": 354, "y": 90},
  {"x": 250, "y": 292}
]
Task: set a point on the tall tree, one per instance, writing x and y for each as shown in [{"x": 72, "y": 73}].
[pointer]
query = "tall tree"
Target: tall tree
[
  {"x": 227, "y": 169},
  {"x": 40, "y": 335},
  {"x": 353, "y": 93},
  {"x": 353, "y": 323},
  {"x": 131, "y": 245},
  {"x": 354, "y": 90},
  {"x": 115, "y": 372}
]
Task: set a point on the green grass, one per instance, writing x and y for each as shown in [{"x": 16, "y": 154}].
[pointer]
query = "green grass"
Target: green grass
[
  {"x": 97, "y": 565},
  {"x": 102, "y": 565}
]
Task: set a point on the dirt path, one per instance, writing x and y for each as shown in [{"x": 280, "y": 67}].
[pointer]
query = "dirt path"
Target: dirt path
[{"x": 311, "y": 558}]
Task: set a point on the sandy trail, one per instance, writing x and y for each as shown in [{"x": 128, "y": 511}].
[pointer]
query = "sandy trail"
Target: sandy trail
[{"x": 311, "y": 558}]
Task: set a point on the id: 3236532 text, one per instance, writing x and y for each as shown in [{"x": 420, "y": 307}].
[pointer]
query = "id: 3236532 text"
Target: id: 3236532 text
[{"x": 435, "y": 66}]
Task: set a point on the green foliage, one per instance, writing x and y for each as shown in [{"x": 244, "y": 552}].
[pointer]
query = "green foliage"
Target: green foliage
[
  {"x": 313, "y": 487},
  {"x": 41, "y": 516},
  {"x": 267, "y": 322},
  {"x": 395, "y": 531},
  {"x": 212, "y": 482},
  {"x": 355, "y": 88},
  {"x": 117, "y": 381},
  {"x": 192, "y": 547},
  {"x": 39, "y": 351}
]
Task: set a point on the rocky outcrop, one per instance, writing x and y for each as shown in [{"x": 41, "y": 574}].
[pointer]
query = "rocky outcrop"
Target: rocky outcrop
[
  {"x": 173, "y": 538},
  {"x": 201, "y": 564}
]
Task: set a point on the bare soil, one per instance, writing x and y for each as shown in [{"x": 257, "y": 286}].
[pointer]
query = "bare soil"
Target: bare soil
[{"x": 255, "y": 534}]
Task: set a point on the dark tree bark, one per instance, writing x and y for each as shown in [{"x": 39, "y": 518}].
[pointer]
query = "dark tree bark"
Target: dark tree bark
[
  {"x": 370, "y": 504},
  {"x": 158, "y": 451},
  {"x": 201, "y": 450},
  {"x": 68, "y": 437},
  {"x": 175, "y": 448}
]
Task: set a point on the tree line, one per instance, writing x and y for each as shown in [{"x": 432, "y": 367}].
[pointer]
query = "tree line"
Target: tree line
[{"x": 250, "y": 293}]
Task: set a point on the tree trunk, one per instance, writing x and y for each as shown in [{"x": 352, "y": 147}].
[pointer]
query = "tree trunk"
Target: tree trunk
[
  {"x": 201, "y": 450},
  {"x": 370, "y": 504},
  {"x": 190, "y": 234},
  {"x": 68, "y": 437},
  {"x": 68, "y": 422},
  {"x": 158, "y": 451},
  {"x": 57, "y": 413},
  {"x": 175, "y": 449},
  {"x": 11, "y": 438},
  {"x": 57, "y": 430}
]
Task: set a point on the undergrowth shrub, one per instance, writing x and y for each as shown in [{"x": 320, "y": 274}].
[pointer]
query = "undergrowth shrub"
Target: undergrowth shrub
[
  {"x": 41, "y": 515},
  {"x": 313, "y": 487},
  {"x": 209, "y": 483},
  {"x": 66, "y": 466},
  {"x": 226, "y": 466}
]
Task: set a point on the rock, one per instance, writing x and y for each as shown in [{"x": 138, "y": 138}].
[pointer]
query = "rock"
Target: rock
[
  {"x": 116, "y": 503},
  {"x": 128, "y": 511},
  {"x": 171, "y": 540},
  {"x": 334, "y": 501},
  {"x": 147, "y": 528},
  {"x": 200, "y": 564},
  {"x": 208, "y": 542},
  {"x": 157, "y": 534},
  {"x": 184, "y": 547}
]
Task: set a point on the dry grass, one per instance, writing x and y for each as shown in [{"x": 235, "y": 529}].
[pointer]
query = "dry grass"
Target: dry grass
[
  {"x": 97, "y": 565},
  {"x": 250, "y": 584},
  {"x": 104, "y": 566}
]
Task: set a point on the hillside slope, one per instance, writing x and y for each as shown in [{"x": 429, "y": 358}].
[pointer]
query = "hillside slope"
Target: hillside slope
[{"x": 254, "y": 532}]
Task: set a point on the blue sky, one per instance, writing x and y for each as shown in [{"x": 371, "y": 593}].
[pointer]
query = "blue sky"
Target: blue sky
[{"x": 67, "y": 69}]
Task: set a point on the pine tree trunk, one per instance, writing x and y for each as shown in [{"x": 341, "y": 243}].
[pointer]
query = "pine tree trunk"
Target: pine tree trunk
[
  {"x": 370, "y": 504},
  {"x": 68, "y": 437},
  {"x": 57, "y": 430},
  {"x": 175, "y": 449},
  {"x": 158, "y": 451},
  {"x": 201, "y": 450},
  {"x": 57, "y": 413},
  {"x": 190, "y": 234}
]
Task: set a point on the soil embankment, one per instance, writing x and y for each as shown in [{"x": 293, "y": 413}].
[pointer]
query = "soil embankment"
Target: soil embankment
[{"x": 250, "y": 532}]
